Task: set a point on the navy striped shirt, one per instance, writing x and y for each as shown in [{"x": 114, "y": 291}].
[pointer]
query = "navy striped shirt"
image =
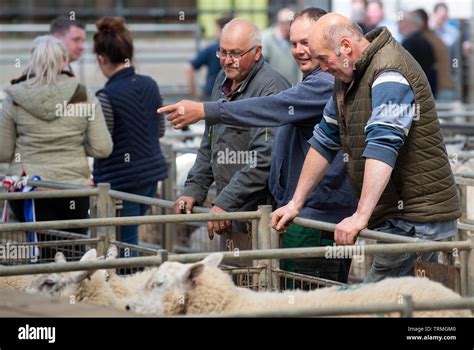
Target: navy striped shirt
[{"x": 393, "y": 110}]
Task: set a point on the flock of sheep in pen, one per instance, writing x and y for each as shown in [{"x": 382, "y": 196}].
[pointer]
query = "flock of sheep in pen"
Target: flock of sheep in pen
[{"x": 202, "y": 288}]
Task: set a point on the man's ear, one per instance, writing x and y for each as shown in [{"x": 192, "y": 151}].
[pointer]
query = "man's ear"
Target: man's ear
[
  {"x": 101, "y": 59},
  {"x": 258, "y": 52},
  {"x": 346, "y": 46}
]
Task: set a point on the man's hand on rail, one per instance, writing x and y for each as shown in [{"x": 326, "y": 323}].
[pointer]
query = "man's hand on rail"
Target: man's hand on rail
[
  {"x": 184, "y": 205},
  {"x": 183, "y": 113},
  {"x": 283, "y": 216},
  {"x": 348, "y": 229},
  {"x": 218, "y": 227}
]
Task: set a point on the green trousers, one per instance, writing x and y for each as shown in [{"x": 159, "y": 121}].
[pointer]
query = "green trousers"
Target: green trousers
[
  {"x": 332, "y": 269},
  {"x": 298, "y": 237}
]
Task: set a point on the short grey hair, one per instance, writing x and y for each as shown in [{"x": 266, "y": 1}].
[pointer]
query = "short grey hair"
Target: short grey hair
[
  {"x": 255, "y": 33},
  {"x": 48, "y": 54},
  {"x": 415, "y": 18},
  {"x": 334, "y": 32}
]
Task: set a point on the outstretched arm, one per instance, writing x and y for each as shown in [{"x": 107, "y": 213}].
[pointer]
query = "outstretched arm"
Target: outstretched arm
[{"x": 304, "y": 102}]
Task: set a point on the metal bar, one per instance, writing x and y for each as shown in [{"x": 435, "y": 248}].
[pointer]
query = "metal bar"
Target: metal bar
[
  {"x": 48, "y": 194},
  {"x": 79, "y": 266},
  {"x": 232, "y": 257},
  {"x": 464, "y": 128},
  {"x": 264, "y": 241},
  {"x": 465, "y": 303},
  {"x": 131, "y": 220},
  {"x": 470, "y": 267},
  {"x": 169, "y": 193},
  {"x": 142, "y": 200},
  {"x": 316, "y": 252},
  {"x": 105, "y": 209},
  {"x": 54, "y": 243},
  {"x": 466, "y": 227},
  {"x": 55, "y": 185},
  {"x": 320, "y": 280},
  {"x": 134, "y": 247},
  {"x": 275, "y": 264},
  {"x": 253, "y": 270},
  {"x": 63, "y": 234},
  {"x": 366, "y": 233},
  {"x": 464, "y": 181}
]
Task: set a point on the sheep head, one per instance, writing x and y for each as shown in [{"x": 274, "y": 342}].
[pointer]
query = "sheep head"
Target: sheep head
[
  {"x": 61, "y": 284},
  {"x": 166, "y": 290}
]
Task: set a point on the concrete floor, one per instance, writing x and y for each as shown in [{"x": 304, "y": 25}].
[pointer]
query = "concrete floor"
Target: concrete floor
[{"x": 15, "y": 303}]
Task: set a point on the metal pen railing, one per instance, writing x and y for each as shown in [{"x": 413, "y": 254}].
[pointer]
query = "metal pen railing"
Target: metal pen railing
[{"x": 266, "y": 240}]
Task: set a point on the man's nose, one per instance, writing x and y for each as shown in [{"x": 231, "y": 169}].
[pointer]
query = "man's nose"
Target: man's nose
[
  {"x": 228, "y": 59},
  {"x": 300, "y": 50}
]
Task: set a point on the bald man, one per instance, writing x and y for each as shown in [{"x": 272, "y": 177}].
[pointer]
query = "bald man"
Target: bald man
[
  {"x": 383, "y": 116},
  {"x": 236, "y": 158}
]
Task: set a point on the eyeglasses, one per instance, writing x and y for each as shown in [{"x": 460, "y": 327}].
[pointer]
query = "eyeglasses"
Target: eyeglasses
[{"x": 233, "y": 55}]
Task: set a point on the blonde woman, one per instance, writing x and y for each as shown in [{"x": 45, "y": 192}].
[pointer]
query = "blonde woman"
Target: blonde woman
[{"x": 49, "y": 124}]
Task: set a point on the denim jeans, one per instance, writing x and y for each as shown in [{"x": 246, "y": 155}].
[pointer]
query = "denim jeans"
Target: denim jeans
[
  {"x": 396, "y": 265},
  {"x": 129, "y": 234}
]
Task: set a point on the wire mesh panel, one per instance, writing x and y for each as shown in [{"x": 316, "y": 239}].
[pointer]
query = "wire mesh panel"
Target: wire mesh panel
[
  {"x": 17, "y": 248},
  {"x": 126, "y": 250},
  {"x": 246, "y": 277},
  {"x": 292, "y": 280}
]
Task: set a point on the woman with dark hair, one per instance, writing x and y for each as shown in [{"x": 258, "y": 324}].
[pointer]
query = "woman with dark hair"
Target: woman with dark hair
[{"x": 129, "y": 102}]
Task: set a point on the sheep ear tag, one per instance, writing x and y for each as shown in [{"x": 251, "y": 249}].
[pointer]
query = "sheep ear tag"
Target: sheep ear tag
[{"x": 213, "y": 260}]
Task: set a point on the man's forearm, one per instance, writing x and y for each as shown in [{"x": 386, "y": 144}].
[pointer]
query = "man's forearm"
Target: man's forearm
[
  {"x": 190, "y": 74},
  {"x": 376, "y": 177},
  {"x": 314, "y": 168}
]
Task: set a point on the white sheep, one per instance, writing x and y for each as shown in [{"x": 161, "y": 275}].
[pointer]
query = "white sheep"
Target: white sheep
[
  {"x": 78, "y": 286},
  {"x": 22, "y": 281},
  {"x": 128, "y": 285},
  {"x": 201, "y": 288}
]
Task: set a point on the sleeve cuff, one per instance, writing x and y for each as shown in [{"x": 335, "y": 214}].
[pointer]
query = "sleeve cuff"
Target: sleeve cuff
[
  {"x": 212, "y": 112},
  {"x": 382, "y": 154},
  {"x": 323, "y": 150},
  {"x": 223, "y": 203},
  {"x": 196, "y": 193}
]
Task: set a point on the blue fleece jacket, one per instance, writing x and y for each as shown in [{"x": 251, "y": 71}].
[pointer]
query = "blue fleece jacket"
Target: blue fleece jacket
[{"x": 296, "y": 110}]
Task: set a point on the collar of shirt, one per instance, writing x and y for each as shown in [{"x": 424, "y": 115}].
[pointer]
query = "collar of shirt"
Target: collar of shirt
[{"x": 227, "y": 83}]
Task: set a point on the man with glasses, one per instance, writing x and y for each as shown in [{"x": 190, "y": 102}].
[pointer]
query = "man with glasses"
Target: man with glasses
[
  {"x": 236, "y": 158},
  {"x": 207, "y": 58},
  {"x": 296, "y": 111}
]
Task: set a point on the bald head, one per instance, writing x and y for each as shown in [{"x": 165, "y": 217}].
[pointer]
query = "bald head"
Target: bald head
[
  {"x": 240, "y": 48},
  {"x": 242, "y": 30},
  {"x": 337, "y": 42},
  {"x": 333, "y": 27},
  {"x": 285, "y": 15}
]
